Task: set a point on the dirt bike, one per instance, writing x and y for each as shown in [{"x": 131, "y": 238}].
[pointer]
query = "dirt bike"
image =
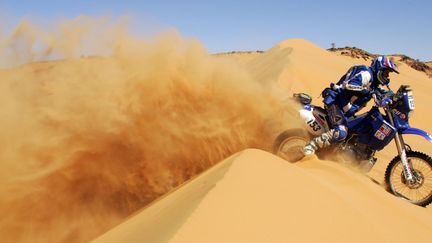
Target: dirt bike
[{"x": 408, "y": 175}]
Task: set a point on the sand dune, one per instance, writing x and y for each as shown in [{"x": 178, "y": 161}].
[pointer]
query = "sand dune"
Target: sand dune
[
  {"x": 87, "y": 143},
  {"x": 261, "y": 198}
]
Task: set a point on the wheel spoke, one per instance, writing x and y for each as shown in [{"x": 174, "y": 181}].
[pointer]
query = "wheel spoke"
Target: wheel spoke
[
  {"x": 419, "y": 193},
  {"x": 404, "y": 191},
  {"x": 427, "y": 172},
  {"x": 291, "y": 148},
  {"x": 427, "y": 188},
  {"x": 398, "y": 185},
  {"x": 424, "y": 192}
]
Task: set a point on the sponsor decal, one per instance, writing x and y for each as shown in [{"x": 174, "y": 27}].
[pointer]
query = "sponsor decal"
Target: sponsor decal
[
  {"x": 383, "y": 132},
  {"x": 399, "y": 114},
  {"x": 380, "y": 135},
  {"x": 320, "y": 120}
]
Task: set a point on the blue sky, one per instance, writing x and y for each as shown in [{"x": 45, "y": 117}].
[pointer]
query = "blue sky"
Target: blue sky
[{"x": 384, "y": 27}]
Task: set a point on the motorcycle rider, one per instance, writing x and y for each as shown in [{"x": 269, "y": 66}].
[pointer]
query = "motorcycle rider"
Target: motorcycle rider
[{"x": 351, "y": 93}]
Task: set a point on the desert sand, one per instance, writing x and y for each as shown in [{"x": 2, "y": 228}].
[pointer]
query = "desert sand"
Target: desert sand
[
  {"x": 261, "y": 198},
  {"x": 163, "y": 142}
]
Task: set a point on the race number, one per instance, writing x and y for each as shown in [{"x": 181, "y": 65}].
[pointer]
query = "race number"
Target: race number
[{"x": 314, "y": 125}]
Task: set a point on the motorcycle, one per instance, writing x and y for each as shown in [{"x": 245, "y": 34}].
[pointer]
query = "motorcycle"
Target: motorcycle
[{"x": 408, "y": 175}]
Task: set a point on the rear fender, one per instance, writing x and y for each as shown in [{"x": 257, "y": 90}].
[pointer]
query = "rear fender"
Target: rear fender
[{"x": 419, "y": 132}]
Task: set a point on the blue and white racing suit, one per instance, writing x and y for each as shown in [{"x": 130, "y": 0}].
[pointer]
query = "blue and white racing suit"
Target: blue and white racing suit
[{"x": 343, "y": 99}]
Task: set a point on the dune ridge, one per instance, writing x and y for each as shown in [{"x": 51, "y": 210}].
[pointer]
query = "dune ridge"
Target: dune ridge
[{"x": 263, "y": 198}]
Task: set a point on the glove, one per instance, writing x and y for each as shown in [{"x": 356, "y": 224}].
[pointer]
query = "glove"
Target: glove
[
  {"x": 384, "y": 102},
  {"x": 336, "y": 87},
  {"x": 354, "y": 108},
  {"x": 365, "y": 92}
]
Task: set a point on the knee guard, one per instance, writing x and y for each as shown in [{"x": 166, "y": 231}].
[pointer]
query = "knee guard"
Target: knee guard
[
  {"x": 339, "y": 134},
  {"x": 336, "y": 115}
]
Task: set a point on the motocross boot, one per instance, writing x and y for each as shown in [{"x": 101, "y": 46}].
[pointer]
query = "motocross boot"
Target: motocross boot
[
  {"x": 316, "y": 143},
  {"x": 366, "y": 165}
]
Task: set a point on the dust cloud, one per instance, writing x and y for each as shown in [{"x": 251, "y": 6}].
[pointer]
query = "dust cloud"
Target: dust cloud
[{"x": 95, "y": 124}]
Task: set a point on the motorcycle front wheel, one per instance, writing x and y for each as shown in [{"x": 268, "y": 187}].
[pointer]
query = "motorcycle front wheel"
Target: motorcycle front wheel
[
  {"x": 419, "y": 192},
  {"x": 289, "y": 144}
]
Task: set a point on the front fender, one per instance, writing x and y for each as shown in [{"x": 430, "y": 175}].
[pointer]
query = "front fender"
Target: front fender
[{"x": 419, "y": 132}]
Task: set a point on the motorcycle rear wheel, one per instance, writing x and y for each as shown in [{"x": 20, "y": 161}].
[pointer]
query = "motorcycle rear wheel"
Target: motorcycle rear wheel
[
  {"x": 419, "y": 193},
  {"x": 289, "y": 144}
]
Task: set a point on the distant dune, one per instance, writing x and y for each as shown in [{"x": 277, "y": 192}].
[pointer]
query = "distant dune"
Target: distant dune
[{"x": 359, "y": 53}]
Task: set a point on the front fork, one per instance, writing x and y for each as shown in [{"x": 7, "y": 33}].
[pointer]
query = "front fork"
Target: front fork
[{"x": 400, "y": 145}]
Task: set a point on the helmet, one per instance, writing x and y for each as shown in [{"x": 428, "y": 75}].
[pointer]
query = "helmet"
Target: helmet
[{"x": 382, "y": 66}]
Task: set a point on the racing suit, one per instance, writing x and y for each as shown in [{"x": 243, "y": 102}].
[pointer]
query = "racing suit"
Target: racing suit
[{"x": 342, "y": 100}]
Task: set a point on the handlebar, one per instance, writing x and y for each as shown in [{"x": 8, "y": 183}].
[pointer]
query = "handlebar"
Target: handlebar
[{"x": 384, "y": 98}]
